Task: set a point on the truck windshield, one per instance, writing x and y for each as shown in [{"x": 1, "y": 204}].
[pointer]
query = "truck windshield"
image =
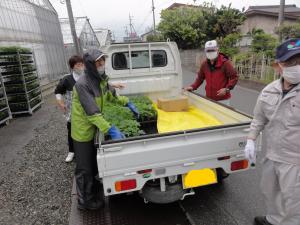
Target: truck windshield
[{"x": 139, "y": 59}]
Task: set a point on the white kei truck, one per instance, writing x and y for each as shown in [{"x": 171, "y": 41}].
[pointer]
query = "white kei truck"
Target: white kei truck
[{"x": 166, "y": 167}]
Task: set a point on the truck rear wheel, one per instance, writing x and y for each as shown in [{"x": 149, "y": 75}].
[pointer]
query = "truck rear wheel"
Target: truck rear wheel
[
  {"x": 221, "y": 175},
  {"x": 173, "y": 193}
]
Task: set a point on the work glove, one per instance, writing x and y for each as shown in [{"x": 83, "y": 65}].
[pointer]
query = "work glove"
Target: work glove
[
  {"x": 133, "y": 109},
  {"x": 115, "y": 134},
  {"x": 250, "y": 152}
]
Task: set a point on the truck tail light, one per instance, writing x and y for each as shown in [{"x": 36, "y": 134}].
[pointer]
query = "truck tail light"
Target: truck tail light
[
  {"x": 223, "y": 158},
  {"x": 125, "y": 185},
  {"x": 144, "y": 171},
  {"x": 239, "y": 165}
]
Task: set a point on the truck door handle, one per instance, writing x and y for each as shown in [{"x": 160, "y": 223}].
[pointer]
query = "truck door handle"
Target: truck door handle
[{"x": 189, "y": 164}]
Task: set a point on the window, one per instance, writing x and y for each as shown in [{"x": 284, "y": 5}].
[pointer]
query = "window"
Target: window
[{"x": 139, "y": 59}]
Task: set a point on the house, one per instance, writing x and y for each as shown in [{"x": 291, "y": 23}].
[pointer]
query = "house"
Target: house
[
  {"x": 145, "y": 35},
  {"x": 179, "y": 5},
  {"x": 104, "y": 36},
  {"x": 85, "y": 34},
  {"x": 266, "y": 18}
]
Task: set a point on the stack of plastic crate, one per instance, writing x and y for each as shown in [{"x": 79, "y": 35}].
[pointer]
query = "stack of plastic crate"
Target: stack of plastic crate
[
  {"x": 5, "y": 114},
  {"x": 20, "y": 80}
]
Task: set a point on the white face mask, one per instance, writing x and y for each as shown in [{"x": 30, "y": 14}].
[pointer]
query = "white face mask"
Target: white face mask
[
  {"x": 101, "y": 70},
  {"x": 291, "y": 74},
  {"x": 211, "y": 55},
  {"x": 78, "y": 71}
]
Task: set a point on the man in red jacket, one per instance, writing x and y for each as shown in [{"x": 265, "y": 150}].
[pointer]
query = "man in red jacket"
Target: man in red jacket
[{"x": 218, "y": 72}]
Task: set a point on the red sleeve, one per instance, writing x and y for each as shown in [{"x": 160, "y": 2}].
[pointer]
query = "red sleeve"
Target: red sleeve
[
  {"x": 231, "y": 74},
  {"x": 200, "y": 77}
]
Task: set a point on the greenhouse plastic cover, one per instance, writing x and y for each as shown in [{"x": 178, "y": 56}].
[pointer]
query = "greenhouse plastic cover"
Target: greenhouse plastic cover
[{"x": 178, "y": 121}]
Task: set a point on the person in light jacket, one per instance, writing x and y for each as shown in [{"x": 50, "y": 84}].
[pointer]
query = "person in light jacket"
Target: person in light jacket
[
  {"x": 277, "y": 112},
  {"x": 65, "y": 88}
]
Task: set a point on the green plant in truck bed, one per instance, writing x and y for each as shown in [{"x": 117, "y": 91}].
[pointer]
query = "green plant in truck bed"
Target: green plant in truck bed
[
  {"x": 145, "y": 107},
  {"x": 122, "y": 118}
]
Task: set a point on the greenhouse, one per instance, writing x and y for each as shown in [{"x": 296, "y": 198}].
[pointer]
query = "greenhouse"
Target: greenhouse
[
  {"x": 34, "y": 24},
  {"x": 85, "y": 34}
]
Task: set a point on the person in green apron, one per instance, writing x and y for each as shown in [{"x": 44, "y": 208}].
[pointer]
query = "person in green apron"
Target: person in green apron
[{"x": 90, "y": 94}]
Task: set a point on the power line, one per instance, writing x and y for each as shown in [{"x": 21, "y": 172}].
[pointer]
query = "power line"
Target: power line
[
  {"x": 144, "y": 21},
  {"x": 82, "y": 7},
  {"x": 164, "y": 3}
]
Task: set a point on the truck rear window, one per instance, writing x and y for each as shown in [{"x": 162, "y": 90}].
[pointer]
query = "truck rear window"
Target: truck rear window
[{"x": 139, "y": 59}]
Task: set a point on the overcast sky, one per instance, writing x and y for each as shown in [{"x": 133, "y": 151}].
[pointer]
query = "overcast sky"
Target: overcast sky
[{"x": 114, "y": 14}]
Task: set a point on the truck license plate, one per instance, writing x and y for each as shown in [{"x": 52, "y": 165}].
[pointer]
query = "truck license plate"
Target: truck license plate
[{"x": 197, "y": 178}]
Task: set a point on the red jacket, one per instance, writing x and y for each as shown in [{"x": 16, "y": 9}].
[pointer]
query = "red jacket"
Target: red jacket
[{"x": 223, "y": 76}]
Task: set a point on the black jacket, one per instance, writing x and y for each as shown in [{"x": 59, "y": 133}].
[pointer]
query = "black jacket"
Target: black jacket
[{"x": 65, "y": 84}]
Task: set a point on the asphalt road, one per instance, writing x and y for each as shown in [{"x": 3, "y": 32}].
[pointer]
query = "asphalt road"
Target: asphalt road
[{"x": 239, "y": 199}]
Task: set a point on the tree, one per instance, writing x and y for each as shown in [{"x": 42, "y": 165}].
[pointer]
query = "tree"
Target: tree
[
  {"x": 228, "y": 45},
  {"x": 186, "y": 26},
  {"x": 255, "y": 31},
  {"x": 222, "y": 22},
  {"x": 155, "y": 37},
  {"x": 264, "y": 43},
  {"x": 287, "y": 31},
  {"x": 192, "y": 26}
]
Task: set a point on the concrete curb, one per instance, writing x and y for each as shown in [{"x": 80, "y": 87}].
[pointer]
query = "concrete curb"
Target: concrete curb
[{"x": 250, "y": 84}]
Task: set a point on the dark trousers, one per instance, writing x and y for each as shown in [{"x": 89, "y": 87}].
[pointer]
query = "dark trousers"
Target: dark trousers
[
  {"x": 88, "y": 188},
  {"x": 70, "y": 140}
]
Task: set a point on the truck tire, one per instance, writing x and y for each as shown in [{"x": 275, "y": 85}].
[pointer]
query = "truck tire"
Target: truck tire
[
  {"x": 153, "y": 194},
  {"x": 221, "y": 175}
]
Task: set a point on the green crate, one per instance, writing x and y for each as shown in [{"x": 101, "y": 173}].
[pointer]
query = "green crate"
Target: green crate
[
  {"x": 17, "y": 107},
  {"x": 4, "y": 114},
  {"x": 16, "y": 98},
  {"x": 34, "y": 102}
]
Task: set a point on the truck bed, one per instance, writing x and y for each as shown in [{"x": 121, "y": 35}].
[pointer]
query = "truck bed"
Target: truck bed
[
  {"x": 180, "y": 151},
  {"x": 225, "y": 114}
]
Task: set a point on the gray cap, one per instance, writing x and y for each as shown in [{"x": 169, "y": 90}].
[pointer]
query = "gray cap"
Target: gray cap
[{"x": 96, "y": 54}]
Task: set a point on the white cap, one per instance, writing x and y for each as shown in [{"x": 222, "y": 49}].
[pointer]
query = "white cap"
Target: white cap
[
  {"x": 211, "y": 45},
  {"x": 101, "y": 55}
]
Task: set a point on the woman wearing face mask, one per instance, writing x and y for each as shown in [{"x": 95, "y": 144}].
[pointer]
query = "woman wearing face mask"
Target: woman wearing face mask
[
  {"x": 218, "y": 72},
  {"x": 90, "y": 94},
  {"x": 277, "y": 112},
  {"x": 65, "y": 88}
]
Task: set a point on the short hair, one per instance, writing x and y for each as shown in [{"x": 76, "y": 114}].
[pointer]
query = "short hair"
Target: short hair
[
  {"x": 293, "y": 61},
  {"x": 75, "y": 59}
]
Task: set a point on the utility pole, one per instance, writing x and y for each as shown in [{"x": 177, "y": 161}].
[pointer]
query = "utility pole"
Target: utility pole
[
  {"x": 130, "y": 24},
  {"x": 72, "y": 25},
  {"x": 126, "y": 31},
  {"x": 281, "y": 16},
  {"x": 153, "y": 8},
  {"x": 281, "y": 12}
]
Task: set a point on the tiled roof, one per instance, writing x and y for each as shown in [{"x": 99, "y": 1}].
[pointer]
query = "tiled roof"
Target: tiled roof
[{"x": 290, "y": 11}]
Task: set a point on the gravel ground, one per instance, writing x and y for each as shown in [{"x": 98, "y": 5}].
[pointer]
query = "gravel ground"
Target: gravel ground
[{"x": 35, "y": 188}]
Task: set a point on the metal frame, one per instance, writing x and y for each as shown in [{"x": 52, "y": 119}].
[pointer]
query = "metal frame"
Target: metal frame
[
  {"x": 30, "y": 109},
  {"x": 6, "y": 120},
  {"x": 25, "y": 83}
]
